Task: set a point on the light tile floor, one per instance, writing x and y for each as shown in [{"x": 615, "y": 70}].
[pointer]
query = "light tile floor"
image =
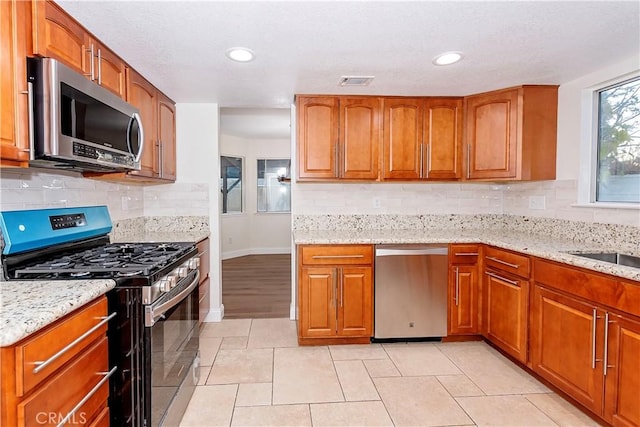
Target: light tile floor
[{"x": 254, "y": 374}]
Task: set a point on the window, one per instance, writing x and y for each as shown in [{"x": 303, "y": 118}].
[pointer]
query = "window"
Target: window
[
  {"x": 618, "y": 143},
  {"x": 231, "y": 184},
  {"x": 274, "y": 191}
]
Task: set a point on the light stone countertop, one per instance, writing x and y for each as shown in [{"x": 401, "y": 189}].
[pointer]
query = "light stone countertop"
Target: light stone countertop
[
  {"x": 26, "y": 307},
  {"x": 531, "y": 244}
]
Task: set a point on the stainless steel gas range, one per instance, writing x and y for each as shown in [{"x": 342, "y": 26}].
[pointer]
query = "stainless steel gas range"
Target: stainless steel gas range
[{"x": 153, "y": 338}]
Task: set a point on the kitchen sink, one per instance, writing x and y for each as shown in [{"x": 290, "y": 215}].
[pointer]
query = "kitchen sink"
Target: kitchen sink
[{"x": 612, "y": 257}]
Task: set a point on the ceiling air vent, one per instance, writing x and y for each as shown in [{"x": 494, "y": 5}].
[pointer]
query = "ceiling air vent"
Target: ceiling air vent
[{"x": 355, "y": 80}]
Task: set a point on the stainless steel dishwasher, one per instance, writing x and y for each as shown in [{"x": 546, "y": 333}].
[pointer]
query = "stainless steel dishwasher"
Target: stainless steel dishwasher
[{"x": 410, "y": 291}]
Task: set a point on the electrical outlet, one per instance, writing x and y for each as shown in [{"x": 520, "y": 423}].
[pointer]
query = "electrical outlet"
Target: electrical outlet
[
  {"x": 376, "y": 202},
  {"x": 537, "y": 202},
  {"x": 230, "y": 240}
]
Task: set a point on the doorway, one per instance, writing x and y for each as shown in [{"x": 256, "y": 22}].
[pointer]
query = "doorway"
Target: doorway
[{"x": 256, "y": 239}]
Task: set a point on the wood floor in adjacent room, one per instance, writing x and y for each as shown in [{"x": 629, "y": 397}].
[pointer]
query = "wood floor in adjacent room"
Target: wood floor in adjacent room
[{"x": 256, "y": 286}]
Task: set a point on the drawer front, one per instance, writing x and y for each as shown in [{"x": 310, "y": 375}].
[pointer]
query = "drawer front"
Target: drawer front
[
  {"x": 507, "y": 261},
  {"x": 464, "y": 254},
  {"x": 336, "y": 254},
  {"x": 46, "y": 345},
  {"x": 203, "y": 250},
  {"x": 51, "y": 403}
]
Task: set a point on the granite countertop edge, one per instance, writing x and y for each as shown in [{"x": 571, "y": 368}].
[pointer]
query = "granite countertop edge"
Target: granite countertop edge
[
  {"x": 541, "y": 246},
  {"x": 160, "y": 236},
  {"x": 28, "y": 306}
]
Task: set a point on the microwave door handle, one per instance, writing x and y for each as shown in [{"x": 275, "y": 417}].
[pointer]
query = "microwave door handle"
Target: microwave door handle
[{"x": 137, "y": 118}]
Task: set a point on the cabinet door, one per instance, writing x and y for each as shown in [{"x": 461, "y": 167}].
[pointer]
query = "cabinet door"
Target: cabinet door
[
  {"x": 442, "y": 138},
  {"x": 402, "y": 140},
  {"x": 491, "y": 135},
  {"x": 566, "y": 346},
  {"x": 506, "y": 312},
  {"x": 463, "y": 300},
  {"x": 143, "y": 95},
  {"x": 57, "y": 35},
  {"x": 109, "y": 69},
  {"x": 317, "y": 137},
  {"x": 167, "y": 137},
  {"x": 355, "y": 302},
  {"x": 359, "y": 138},
  {"x": 318, "y": 287},
  {"x": 14, "y": 134},
  {"x": 622, "y": 402}
]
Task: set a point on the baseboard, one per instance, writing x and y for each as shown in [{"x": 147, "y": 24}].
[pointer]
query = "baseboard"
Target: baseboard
[
  {"x": 215, "y": 314},
  {"x": 255, "y": 251}
]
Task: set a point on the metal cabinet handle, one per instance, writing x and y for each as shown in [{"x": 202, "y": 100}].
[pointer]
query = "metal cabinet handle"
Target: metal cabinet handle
[
  {"x": 594, "y": 323},
  {"x": 93, "y": 391},
  {"x": 466, "y": 254},
  {"x": 606, "y": 344},
  {"x": 99, "y": 67},
  {"x": 41, "y": 365},
  {"x": 336, "y": 256},
  {"x": 334, "y": 285},
  {"x": 499, "y": 261},
  {"x": 341, "y": 288},
  {"x": 468, "y": 161},
  {"x": 495, "y": 276},
  {"x": 421, "y": 163},
  {"x": 91, "y": 74},
  {"x": 336, "y": 150},
  {"x": 160, "y": 157},
  {"x": 457, "y": 285}
]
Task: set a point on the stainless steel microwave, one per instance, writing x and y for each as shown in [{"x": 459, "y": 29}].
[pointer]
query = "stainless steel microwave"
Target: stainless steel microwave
[{"x": 76, "y": 124}]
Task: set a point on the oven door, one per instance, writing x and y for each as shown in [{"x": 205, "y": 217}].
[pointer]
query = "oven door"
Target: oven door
[{"x": 171, "y": 353}]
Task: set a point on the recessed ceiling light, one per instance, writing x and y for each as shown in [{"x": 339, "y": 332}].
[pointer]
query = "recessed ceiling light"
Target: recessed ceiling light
[
  {"x": 447, "y": 58},
  {"x": 240, "y": 54}
]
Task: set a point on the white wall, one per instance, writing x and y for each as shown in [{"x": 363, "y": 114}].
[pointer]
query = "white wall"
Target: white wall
[
  {"x": 251, "y": 232},
  {"x": 198, "y": 171}
]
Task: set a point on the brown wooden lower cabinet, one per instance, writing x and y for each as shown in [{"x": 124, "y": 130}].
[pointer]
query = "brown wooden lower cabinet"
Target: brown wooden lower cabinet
[
  {"x": 464, "y": 290},
  {"x": 335, "y": 293},
  {"x": 506, "y": 310},
  {"x": 581, "y": 345},
  {"x": 77, "y": 370}
]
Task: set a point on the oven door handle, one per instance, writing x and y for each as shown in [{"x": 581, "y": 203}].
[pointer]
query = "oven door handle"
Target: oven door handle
[{"x": 154, "y": 313}]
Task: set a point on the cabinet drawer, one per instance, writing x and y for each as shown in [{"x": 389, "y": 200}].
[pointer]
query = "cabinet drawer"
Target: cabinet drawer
[
  {"x": 203, "y": 251},
  {"x": 507, "y": 261},
  {"x": 58, "y": 340},
  {"x": 336, "y": 254},
  {"x": 86, "y": 376},
  {"x": 464, "y": 254},
  {"x": 597, "y": 288}
]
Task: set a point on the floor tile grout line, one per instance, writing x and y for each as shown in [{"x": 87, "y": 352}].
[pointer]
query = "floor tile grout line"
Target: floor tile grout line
[
  {"x": 541, "y": 410},
  {"x": 463, "y": 372},
  {"x": 333, "y": 363}
]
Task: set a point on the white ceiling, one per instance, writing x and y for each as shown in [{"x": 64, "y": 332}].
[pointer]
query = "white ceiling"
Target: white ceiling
[{"x": 305, "y": 46}]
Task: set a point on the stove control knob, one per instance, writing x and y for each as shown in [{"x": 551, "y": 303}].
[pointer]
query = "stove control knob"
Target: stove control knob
[
  {"x": 194, "y": 263},
  {"x": 173, "y": 280},
  {"x": 183, "y": 270},
  {"x": 168, "y": 282}
]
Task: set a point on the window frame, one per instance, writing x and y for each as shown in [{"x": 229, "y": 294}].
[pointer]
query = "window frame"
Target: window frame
[
  {"x": 589, "y": 141},
  {"x": 242, "y": 183}
]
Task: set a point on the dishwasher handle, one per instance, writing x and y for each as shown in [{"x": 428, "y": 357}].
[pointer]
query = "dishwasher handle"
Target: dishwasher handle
[{"x": 412, "y": 251}]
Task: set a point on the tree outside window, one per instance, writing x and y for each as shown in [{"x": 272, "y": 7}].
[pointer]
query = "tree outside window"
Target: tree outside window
[
  {"x": 618, "y": 175},
  {"x": 274, "y": 188},
  {"x": 231, "y": 184}
]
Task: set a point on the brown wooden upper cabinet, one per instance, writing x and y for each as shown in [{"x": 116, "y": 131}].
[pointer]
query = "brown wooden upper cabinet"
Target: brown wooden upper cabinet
[
  {"x": 14, "y": 41},
  {"x": 511, "y": 134},
  {"x": 338, "y": 137},
  {"x": 422, "y": 138},
  {"x": 57, "y": 35}
]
